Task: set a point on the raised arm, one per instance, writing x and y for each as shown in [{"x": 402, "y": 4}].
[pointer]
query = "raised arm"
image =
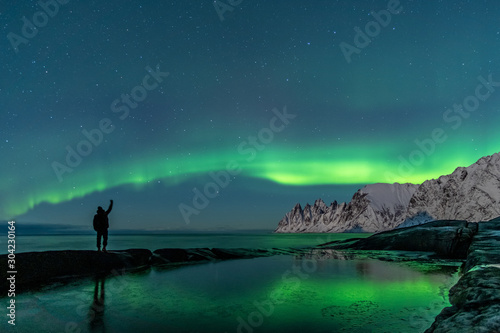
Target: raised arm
[{"x": 110, "y": 207}]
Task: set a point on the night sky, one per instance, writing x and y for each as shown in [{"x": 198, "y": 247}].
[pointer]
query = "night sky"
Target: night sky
[{"x": 204, "y": 115}]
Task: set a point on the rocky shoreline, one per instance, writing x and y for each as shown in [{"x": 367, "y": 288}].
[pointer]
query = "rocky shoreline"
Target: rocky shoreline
[
  {"x": 36, "y": 269},
  {"x": 446, "y": 239},
  {"x": 475, "y": 299}
]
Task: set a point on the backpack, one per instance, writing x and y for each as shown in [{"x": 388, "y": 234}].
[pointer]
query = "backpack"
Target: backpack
[{"x": 99, "y": 222}]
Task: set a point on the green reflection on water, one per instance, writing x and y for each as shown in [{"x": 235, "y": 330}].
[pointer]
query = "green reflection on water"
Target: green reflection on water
[{"x": 276, "y": 294}]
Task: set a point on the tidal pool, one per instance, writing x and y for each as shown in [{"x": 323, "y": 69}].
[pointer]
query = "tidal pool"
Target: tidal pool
[{"x": 314, "y": 293}]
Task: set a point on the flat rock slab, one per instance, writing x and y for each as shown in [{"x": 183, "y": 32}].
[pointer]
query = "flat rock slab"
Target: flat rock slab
[
  {"x": 197, "y": 255},
  {"x": 36, "y": 268},
  {"x": 446, "y": 238}
]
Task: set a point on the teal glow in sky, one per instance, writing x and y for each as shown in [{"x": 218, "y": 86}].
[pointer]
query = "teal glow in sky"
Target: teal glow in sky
[{"x": 146, "y": 103}]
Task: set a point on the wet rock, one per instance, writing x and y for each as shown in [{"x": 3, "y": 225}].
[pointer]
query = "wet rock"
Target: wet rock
[
  {"x": 37, "y": 268},
  {"x": 447, "y": 238},
  {"x": 225, "y": 254},
  {"x": 475, "y": 298},
  {"x": 476, "y": 304},
  {"x": 485, "y": 249},
  {"x": 476, "y": 288},
  {"x": 168, "y": 256},
  {"x": 179, "y": 256}
]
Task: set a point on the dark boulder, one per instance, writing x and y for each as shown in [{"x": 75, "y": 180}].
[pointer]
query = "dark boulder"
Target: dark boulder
[{"x": 447, "y": 239}]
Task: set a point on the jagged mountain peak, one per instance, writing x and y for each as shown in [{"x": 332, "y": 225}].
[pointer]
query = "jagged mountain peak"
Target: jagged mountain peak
[
  {"x": 490, "y": 159},
  {"x": 319, "y": 202},
  {"x": 369, "y": 210}
]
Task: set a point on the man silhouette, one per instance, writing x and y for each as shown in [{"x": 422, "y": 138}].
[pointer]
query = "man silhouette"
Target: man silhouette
[{"x": 101, "y": 225}]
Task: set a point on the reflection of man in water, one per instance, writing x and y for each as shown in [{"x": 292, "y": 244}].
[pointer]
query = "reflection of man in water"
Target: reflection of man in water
[
  {"x": 101, "y": 225},
  {"x": 96, "y": 311}
]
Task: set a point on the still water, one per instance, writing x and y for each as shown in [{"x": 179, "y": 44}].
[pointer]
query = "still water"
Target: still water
[{"x": 313, "y": 293}]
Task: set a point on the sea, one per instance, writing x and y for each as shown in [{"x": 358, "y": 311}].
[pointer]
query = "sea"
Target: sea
[{"x": 319, "y": 292}]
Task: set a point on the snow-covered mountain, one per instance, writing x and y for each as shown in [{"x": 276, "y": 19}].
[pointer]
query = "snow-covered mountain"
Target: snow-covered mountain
[
  {"x": 471, "y": 194},
  {"x": 374, "y": 208}
]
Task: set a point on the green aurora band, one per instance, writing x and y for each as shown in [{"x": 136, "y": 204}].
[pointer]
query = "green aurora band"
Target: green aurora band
[{"x": 285, "y": 166}]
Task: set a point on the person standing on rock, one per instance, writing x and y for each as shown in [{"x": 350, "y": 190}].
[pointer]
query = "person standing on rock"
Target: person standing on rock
[{"x": 101, "y": 225}]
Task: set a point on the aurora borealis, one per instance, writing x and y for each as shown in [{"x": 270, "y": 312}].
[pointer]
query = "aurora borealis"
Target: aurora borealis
[{"x": 418, "y": 100}]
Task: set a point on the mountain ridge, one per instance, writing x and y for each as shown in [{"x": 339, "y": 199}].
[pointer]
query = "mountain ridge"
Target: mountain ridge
[{"x": 469, "y": 193}]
